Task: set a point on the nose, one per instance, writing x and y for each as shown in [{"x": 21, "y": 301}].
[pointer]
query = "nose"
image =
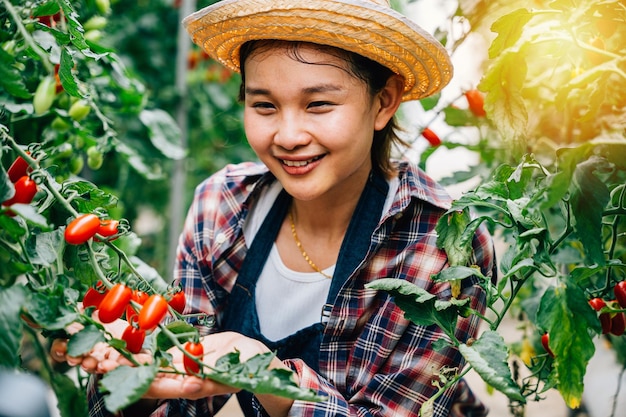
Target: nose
[{"x": 291, "y": 131}]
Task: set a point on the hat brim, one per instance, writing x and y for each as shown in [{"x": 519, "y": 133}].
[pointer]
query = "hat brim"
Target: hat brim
[{"x": 371, "y": 30}]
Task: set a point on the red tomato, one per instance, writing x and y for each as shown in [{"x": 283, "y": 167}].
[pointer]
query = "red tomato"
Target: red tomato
[
  {"x": 545, "y": 342},
  {"x": 431, "y": 137},
  {"x": 618, "y": 324},
  {"x": 153, "y": 312},
  {"x": 18, "y": 169},
  {"x": 114, "y": 303},
  {"x": 134, "y": 338},
  {"x": 25, "y": 190},
  {"x": 606, "y": 322},
  {"x": 94, "y": 296},
  {"x": 620, "y": 293},
  {"x": 81, "y": 229},
  {"x": 597, "y": 303},
  {"x": 476, "y": 102},
  {"x": 108, "y": 228},
  {"x": 196, "y": 350},
  {"x": 139, "y": 297},
  {"x": 178, "y": 301}
]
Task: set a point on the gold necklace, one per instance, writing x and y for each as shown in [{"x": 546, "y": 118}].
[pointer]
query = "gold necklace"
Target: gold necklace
[{"x": 304, "y": 254}]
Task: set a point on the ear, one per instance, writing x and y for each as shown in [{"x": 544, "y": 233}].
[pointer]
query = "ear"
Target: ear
[{"x": 388, "y": 100}]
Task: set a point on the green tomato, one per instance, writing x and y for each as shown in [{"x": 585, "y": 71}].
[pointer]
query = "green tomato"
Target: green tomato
[
  {"x": 79, "y": 110},
  {"x": 65, "y": 150},
  {"x": 60, "y": 125},
  {"x": 76, "y": 164},
  {"x": 104, "y": 6},
  {"x": 44, "y": 95},
  {"x": 94, "y": 158},
  {"x": 95, "y": 23}
]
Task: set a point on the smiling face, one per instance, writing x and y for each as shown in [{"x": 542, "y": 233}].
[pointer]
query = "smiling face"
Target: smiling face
[{"x": 310, "y": 120}]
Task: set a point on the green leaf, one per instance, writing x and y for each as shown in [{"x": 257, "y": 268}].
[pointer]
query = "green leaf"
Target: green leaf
[
  {"x": 183, "y": 331},
  {"x": 488, "y": 357},
  {"x": 454, "y": 273},
  {"x": 11, "y": 300},
  {"x": 419, "y": 306},
  {"x": 589, "y": 197},
  {"x": 44, "y": 248},
  {"x": 450, "y": 236},
  {"x": 458, "y": 117},
  {"x": 504, "y": 103},
  {"x": 90, "y": 197},
  {"x": 10, "y": 78},
  {"x": 83, "y": 341},
  {"x": 126, "y": 385},
  {"x": 430, "y": 102},
  {"x": 509, "y": 29},
  {"x": 254, "y": 376},
  {"x": 68, "y": 80},
  {"x": 565, "y": 314},
  {"x": 164, "y": 132},
  {"x": 71, "y": 401}
]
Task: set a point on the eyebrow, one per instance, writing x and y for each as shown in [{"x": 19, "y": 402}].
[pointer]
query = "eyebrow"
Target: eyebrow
[{"x": 323, "y": 88}]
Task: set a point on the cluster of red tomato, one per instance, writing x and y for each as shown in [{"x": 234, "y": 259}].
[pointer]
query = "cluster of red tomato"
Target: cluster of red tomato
[
  {"x": 612, "y": 322},
  {"x": 143, "y": 311},
  {"x": 87, "y": 226},
  {"x": 25, "y": 187}
]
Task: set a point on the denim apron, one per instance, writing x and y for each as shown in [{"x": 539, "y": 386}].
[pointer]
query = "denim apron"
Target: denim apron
[{"x": 240, "y": 314}]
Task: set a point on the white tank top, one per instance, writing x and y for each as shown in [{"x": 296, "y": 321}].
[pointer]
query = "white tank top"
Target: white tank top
[{"x": 287, "y": 300}]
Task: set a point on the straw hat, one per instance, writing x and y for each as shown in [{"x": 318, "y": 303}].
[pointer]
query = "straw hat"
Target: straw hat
[{"x": 367, "y": 27}]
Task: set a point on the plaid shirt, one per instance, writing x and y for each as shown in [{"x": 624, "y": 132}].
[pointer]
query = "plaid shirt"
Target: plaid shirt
[{"x": 372, "y": 360}]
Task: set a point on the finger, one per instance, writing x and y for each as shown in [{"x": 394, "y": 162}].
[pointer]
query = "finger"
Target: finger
[
  {"x": 58, "y": 349},
  {"x": 89, "y": 364}
]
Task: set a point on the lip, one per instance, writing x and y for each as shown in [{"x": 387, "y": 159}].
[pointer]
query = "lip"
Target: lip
[{"x": 301, "y": 165}]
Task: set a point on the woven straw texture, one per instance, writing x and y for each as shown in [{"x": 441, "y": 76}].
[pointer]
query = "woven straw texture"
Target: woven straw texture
[{"x": 367, "y": 27}]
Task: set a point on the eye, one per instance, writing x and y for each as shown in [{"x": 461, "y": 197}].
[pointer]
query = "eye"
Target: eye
[
  {"x": 320, "y": 105},
  {"x": 263, "y": 106}
]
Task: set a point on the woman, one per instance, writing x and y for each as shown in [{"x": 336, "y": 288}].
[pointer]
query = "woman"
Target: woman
[{"x": 278, "y": 253}]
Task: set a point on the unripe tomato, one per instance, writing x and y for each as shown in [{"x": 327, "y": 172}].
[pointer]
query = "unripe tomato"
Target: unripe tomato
[
  {"x": 95, "y": 22},
  {"x": 545, "y": 342},
  {"x": 94, "y": 296},
  {"x": 153, "y": 312},
  {"x": 178, "y": 301},
  {"x": 476, "y": 102},
  {"x": 104, "y": 6},
  {"x": 94, "y": 158},
  {"x": 134, "y": 338},
  {"x": 139, "y": 297},
  {"x": 618, "y": 324},
  {"x": 79, "y": 110},
  {"x": 76, "y": 164},
  {"x": 620, "y": 293},
  {"x": 44, "y": 95},
  {"x": 196, "y": 350},
  {"x": 18, "y": 169},
  {"x": 431, "y": 137},
  {"x": 25, "y": 190},
  {"x": 114, "y": 303},
  {"x": 81, "y": 229}
]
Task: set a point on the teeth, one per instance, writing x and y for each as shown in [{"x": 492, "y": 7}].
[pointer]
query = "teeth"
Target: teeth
[{"x": 298, "y": 163}]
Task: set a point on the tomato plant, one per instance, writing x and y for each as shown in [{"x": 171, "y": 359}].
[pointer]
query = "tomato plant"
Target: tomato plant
[
  {"x": 153, "y": 312},
  {"x": 114, "y": 303},
  {"x": 196, "y": 350},
  {"x": 82, "y": 228}
]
